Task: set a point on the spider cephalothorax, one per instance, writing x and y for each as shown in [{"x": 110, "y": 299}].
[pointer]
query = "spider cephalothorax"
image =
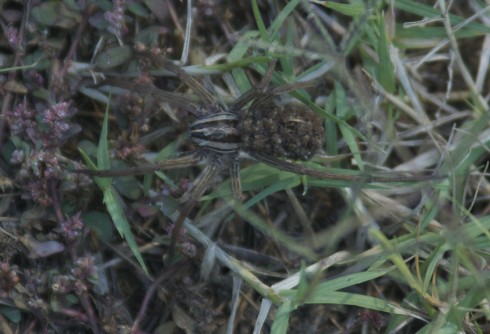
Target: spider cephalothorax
[{"x": 218, "y": 132}]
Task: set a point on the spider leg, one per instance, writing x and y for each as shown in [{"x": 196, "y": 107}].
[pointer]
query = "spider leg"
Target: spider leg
[
  {"x": 181, "y": 162},
  {"x": 247, "y": 96},
  {"x": 264, "y": 97},
  {"x": 261, "y": 95},
  {"x": 202, "y": 182},
  {"x": 266, "y": 79},
  {"x": 159, "y": 60},
  {"x": 191, "y": 197},
  {"x": 302, "y": 170},
  {"x": 236, "y": 184},
  {"x": 179, "y": 100}
]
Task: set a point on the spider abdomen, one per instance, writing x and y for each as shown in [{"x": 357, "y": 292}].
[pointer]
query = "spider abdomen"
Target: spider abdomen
[{"x": 292, "y": 132}]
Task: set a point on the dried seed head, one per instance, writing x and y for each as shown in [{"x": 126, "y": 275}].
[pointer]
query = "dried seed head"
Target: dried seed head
[{"x": 292, "y": 131}]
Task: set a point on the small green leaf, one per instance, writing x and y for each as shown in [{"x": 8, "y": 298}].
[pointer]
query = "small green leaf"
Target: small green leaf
[
  {"x": 348, "y": 135},
  {"x": 12, "y": 314},
  {"x": 113, "y": 57},
  {"x": 100, "y": 223},
  {"x": 138, "y": 9},
  {"x": 55, "y": 13},
  {"x": 149, "y": 35},
  {"x": 157, "y": 8},
  {"x": 71, "y": 299}
]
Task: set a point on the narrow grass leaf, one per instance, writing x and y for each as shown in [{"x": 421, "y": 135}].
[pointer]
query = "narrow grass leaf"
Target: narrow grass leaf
[
  {"x": 235, "y": 301},
  {"x": 265, "y": 307},
  {"x": 273, "y": 232},
  {"x": 347, "y": 281},
  {"x": 281, "y": 321},
  {"x": 17, "y": 68},
  {"x": 316, "y": 71},
  {"x": 102, "y": 182},
  {"x": 111, "y": 198},
  {"x": 242, "y": 46},
  {"x": 472, "y": 299},
  {"x": 397, "y": 260},
  {"x": 372, "y": 303},
  {"x": 103, "y": 148},
  {"x": 258, "y": 20},
  {"x": 464, "y": 156},
  {"x": 477, "y": 226},
  {"x": 114, "y": 206},
  {"x": 236, "y": 55},
  {"x": 239, "y": 63},
  {"x": 385, "y": 71},
  {"x": 287, "y": 61},
  {"x": 281, "y": 17},
  {"x": 440, "y": 327},
  {"x": 347, "y": 134},
  {"x": 432, "y": 262},
  {"x": 287, "y": 183},
  {"x": 255, "y": 177},
  {"x": 325, "y": 288},
  {"x": 432, "y": 209},
  {"x": 355, "y": 9},
  {"x": 427, "y": 11}
]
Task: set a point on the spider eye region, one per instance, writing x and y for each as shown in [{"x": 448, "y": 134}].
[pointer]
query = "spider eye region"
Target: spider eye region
[{"x": 291, "y": 131}]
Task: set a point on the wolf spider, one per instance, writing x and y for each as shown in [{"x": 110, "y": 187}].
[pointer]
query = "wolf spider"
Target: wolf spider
[{"x": 252, "y": 124}]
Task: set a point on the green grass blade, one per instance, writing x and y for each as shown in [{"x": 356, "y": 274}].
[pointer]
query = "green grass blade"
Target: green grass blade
[
  {"x": 281, "y": 321},
  {"x": 371, "y": 303},
  {"x": 353, "y": 9},
  {"x": 103, "y": 148},
  {"x": 258, "y": 20},
  {"x": 111, "y": 199},
  {"x": 281, "y": 17},
  {"x": 114, "y": 206},
  {"x": 427, "y": 11}
]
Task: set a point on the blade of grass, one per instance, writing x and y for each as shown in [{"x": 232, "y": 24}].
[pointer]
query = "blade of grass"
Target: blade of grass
[
  {"x": 258, "y": 20},
  {"x": 353, "y": 9},
  {"x": 371, "y": 303},
  {"x": 281, "y": 17},
  {"x": 347, "y": 134},
  {"x": 112, "y": 200},
  {"x": 426, "y": 11},
  {"x": 398, "y": 261}
]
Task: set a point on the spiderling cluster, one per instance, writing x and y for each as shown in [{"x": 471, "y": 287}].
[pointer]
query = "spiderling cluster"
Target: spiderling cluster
[{"x": 292, "y": 132}]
